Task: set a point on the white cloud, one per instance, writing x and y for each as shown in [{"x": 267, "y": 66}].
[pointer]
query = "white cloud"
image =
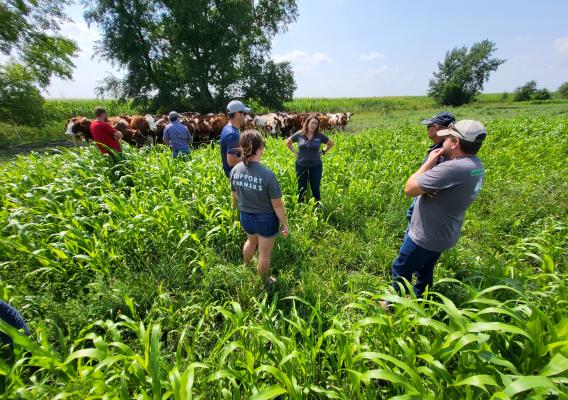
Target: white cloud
[
  {"x": 302, "y": 61},
  {"x": 321, "y": 58},
  {"x": 80, "y": 33},
  {"x": 373, "y": 55},
  {"x": 561, "y": 45},
  {"x": 291, "y": 56}
]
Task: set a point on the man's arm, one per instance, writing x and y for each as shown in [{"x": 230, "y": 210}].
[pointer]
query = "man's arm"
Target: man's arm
[
  {"x": 412, "y": 189},
  {"x": 233, "y": 159},
  {"x": 234, "y": 151}
]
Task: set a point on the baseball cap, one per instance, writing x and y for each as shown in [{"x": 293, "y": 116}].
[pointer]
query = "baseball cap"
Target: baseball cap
[
  {"x": 466, "y": 129},
  {"x": 444, "y": 119},
  {"x": 237, "y": 106},
  {"x": 173, "y": 115}
]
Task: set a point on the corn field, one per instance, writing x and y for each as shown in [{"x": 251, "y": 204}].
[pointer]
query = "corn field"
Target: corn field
[{"x": 131, "y": 280}]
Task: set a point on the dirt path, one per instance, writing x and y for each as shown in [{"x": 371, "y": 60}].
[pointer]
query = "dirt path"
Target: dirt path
[{"x": 7, "y": 152}]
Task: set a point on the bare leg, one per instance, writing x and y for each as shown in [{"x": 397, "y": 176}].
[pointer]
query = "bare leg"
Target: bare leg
[
  {"x": 250, "y": 247},
  {"x": 265, "y": 246}
]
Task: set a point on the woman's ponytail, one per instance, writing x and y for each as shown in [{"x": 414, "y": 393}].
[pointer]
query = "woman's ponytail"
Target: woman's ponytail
[{"x": 251, "y": 141}]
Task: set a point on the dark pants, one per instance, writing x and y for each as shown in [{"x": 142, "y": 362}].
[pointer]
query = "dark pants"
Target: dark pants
[
  {"x": 313, "y": 174},
  {"x": 182, "y": 152},
  {"x": 12, "y": 317},
  {"x": 414, "y": 260}
]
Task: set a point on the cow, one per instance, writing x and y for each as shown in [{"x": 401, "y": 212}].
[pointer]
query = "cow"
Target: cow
[
  {"x": 145, "y": 124},
  {"x": 268, "y": 122},
  {"x": 78, "y": 128},
  {"x": 216, "y": 124},
  {"x": 129, "y": 135},
  {"x": 161, "y": 122},
  {"x": 286, "y": 124},
  {"x": 201, "y": 129},
  {"x": 248, "y": 122}
]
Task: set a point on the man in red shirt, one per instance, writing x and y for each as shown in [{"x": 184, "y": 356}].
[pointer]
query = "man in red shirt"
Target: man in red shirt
[{"x": 105, "y": 136}]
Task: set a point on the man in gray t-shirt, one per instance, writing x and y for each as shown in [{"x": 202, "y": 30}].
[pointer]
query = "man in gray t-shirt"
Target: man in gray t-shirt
[
  {"x": 444, "y": 192},
  {"x": 255, "y": 186}
]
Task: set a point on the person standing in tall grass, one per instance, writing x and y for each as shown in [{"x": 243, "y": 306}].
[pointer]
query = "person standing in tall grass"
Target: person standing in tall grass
[
  {"x": 309, "y": 165},
  {"x": 105, "y": 136},
  {"x": 444, "y": 192},
  {"x": 256, "y": 192},
  {"x": 230, "y": 135},
  {"x": 177, "y": 136},
  {"x": 433, "y": 125}
]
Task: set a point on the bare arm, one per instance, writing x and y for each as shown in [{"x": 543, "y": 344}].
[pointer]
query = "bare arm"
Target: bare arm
[
  {"x": 234, "y": 199},
  {"x": 233, "y": 159},
  {"x": 290, "y": 145},
  {"x": 412, "y": 189},
  {"x": 329, "y": 145},
  {"x": 278, "y": 206}
]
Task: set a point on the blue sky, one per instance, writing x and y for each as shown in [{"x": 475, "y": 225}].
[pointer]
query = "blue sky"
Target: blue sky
[{"x": 342, "y": 48}]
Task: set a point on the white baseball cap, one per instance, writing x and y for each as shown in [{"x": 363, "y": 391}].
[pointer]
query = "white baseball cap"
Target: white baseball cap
[
  {"x": 237, "y": 106},
  {"x": 466, "y": 129}
]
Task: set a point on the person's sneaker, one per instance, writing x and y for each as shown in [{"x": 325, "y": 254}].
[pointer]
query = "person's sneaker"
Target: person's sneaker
[
  {"x": 270, "y": 281},
  {"x": 385, "y": 305}
]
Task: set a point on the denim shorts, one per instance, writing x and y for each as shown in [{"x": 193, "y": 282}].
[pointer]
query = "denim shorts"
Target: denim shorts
[{"x": 265, "y": 224}]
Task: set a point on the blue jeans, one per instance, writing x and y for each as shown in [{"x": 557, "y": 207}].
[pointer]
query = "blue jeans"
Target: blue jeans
[
  {"x": 414, "y": 260},
  {"x": 262, "y": 224},
  {"x": 12, "y": 317},
  {"x": 411, "y": 210},
  {"x": 313, "y": 174},
  {"x": 182, "y": 152}
]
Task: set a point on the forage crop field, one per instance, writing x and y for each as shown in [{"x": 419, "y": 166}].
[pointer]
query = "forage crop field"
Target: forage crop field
[{"x": 131, "y": 281}]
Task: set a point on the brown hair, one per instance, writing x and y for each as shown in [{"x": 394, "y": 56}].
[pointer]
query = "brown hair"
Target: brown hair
[
  {"x": 99, "y": 111},
  {"x": 307, "y": 121},
  {"x": 251, "y": 141}
]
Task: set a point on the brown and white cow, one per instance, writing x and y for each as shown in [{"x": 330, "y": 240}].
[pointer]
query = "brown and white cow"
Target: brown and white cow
[
  {"x": 129, "y": 135},
  {"x": 268, "y": 122},
  {"x": 145, "y": 124},
  {"x": 78, "y": 129}
]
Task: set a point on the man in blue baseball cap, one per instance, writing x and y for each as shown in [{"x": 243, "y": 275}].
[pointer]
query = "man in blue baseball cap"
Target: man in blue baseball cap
[
  {"x": 230, "y": 135},
  {"x": 437, "y": 123}
]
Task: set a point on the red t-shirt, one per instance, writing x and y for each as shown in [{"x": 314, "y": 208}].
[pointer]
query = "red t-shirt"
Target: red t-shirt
[{"x": 102, "y": 134}]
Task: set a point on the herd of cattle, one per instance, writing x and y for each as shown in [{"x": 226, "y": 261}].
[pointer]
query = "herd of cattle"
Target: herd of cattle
[{"x": 139, "y": 130}]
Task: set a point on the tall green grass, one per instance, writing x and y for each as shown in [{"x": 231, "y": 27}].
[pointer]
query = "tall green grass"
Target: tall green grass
[{"x": 131, "y": 280}]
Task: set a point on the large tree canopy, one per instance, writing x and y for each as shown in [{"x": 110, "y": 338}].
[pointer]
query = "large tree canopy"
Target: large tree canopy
[
  {"x": 463, "y": 72},
  {"x": 194, "y": 54},
  {"x": 29, "y": 34}
]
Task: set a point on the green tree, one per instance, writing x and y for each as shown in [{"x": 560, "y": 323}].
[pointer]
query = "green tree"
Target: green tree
[
  {"x": 20, "y": 100},
  {"x": 36, "y": 51},
  {"x": 542, "y": 94},
  {"x": 30, "y": 35},
  {"x": 462, "y": 74},
  {"x": 563, "y": 91},
  {"x": 194, "y": 54},
  {"x": 525, "y": 92}
]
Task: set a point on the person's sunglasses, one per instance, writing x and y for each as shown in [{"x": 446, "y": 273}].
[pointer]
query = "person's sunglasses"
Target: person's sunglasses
[{"x": 452, "y": 127}]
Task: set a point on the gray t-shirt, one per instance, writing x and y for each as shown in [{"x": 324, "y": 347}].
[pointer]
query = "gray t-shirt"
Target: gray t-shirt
[
  {"x": 309, "y": 150},
  {"x": 256, "y": 186},
  {"x": 437, "y": 218}
]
